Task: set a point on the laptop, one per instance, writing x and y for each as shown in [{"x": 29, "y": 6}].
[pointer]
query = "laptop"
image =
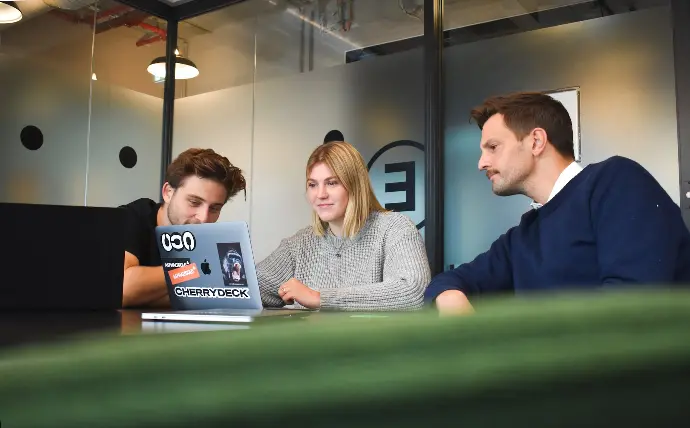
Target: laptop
[
  {"x": 210, "y": 274},
  {"x": 61, "y": 257}
]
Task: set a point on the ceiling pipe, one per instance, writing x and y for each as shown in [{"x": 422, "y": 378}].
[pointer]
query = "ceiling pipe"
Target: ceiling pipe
[
  {"x": 130, "y": 19},
  {"x": 117, "y": 17},
  {"x": 153, "y": 29},
  {"x": 75, "y": 19},
  {"x": 150, "y": 40},
  {"x": 109, "y": 14},
  {"x": 113, "y": 12}
]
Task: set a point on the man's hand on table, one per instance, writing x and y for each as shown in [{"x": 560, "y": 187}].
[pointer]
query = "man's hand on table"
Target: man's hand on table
[{"x": 453, "y": 302}]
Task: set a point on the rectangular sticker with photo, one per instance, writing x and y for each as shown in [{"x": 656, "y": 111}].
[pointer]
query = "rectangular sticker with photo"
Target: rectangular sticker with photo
[{"x": 232, "y": 264}]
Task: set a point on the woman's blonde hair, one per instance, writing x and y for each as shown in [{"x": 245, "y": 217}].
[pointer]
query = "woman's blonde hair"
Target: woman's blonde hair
[{"x": 349, "y": 167}]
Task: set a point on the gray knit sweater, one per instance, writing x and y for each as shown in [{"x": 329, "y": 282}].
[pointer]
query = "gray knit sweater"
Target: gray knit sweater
[{"x": 384, "y": 267}]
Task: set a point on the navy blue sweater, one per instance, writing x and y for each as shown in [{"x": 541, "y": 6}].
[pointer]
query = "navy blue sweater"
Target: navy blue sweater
[{"x": 611, "y": 224}]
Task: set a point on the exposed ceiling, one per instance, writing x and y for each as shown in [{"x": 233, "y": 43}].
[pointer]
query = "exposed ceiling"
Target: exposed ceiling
[
  {"x": 362, "y": 23},
  {"x": 371, "y": 22},
  {"x": 366, "y": 23},
  {"x": 231, "y": 43},
  {"x": 108, "y": 14}
]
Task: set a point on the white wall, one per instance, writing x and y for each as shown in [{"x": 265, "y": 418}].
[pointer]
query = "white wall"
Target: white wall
[
  {"x": 225, "y": 58},
  {"x": 57, "y": 103},
  {"x": 54, "y": 174},
  {"x": 222, "y": 121},
  {"x": 121, "y": 117}
]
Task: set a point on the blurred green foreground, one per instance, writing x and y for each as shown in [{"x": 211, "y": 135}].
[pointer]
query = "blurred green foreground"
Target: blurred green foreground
[{"x": 605, "y": 360}]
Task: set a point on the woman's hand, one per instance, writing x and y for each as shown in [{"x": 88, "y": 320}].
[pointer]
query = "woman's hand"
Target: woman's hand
[{"x": 294, "y": 291}]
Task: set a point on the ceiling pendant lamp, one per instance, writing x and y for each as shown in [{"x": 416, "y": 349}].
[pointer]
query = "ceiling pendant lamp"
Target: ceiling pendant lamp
[
  {"x": 9, "y": 12},
  {"x": 184, "y": 68}
]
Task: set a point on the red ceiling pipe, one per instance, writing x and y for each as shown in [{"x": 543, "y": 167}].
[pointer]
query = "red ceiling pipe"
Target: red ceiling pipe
[
  {"x": 150, "y": 40},
  {"x": 153, "y": 28},
  {"x": 130, "y": 19}
]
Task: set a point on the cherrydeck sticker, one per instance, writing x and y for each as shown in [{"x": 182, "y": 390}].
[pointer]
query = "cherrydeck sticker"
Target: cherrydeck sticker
[
  {"x": 232, "y": 264},
  {"x": 183, "y": 274},
  {"x": 213, "y": 293}
]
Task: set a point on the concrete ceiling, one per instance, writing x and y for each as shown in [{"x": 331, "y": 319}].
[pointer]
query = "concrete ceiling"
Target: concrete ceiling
[
  {"x": 374, "y": 21},
  {"x": 272, "y": 32}
]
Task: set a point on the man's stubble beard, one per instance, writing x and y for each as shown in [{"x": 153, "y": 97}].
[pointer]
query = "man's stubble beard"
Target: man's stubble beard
[
  {"x": 173, "y": 218},
  {"x": 513, "y": 184}
]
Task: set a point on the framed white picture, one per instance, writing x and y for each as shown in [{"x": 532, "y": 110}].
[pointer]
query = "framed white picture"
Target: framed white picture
[{"x": 570, "y": 98}]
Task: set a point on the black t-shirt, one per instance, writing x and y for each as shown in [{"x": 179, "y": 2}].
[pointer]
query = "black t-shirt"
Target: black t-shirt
[{"x": 140, "y": 238}]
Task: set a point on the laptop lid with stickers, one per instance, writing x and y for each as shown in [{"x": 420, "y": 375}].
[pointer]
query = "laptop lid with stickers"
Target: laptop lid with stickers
[{"x": 209, "y": 266}]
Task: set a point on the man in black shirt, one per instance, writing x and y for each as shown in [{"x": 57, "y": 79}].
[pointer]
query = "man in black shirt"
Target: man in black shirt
[{"x": 198, "y": 184}]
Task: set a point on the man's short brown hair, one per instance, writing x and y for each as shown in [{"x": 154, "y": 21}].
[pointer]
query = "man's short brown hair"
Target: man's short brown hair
[
  {"x": 524, "y": 111},
  {"x": 205, "y": 163}
]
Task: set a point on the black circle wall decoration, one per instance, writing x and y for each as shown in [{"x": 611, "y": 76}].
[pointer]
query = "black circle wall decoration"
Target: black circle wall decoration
[
  {"x": 31, "y": 137},
  {"x": 333, "y": 135},
  {"x": 128, "y": 157}
]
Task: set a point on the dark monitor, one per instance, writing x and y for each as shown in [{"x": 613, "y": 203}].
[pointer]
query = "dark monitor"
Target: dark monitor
[{"x": 61, "y": 257}]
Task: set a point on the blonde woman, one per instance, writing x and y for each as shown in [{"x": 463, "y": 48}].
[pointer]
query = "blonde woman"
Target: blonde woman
[{"x": 356, "y": 256}]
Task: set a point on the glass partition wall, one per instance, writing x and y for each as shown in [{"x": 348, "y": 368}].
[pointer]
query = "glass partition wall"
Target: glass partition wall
[
  {"x": 266, "y": 81},
  {"x": 80, "y": 118},
  {"x": 278, "y": 78},
  {"x": 617, "y": 82},
  {"x": 44, "y": 114}
]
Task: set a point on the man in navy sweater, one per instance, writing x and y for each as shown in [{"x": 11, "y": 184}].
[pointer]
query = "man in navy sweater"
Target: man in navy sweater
[{"x": 609, "y": 224}]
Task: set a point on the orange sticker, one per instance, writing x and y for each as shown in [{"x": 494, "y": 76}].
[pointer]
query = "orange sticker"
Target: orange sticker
[{"x": 184, "y": 273}]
